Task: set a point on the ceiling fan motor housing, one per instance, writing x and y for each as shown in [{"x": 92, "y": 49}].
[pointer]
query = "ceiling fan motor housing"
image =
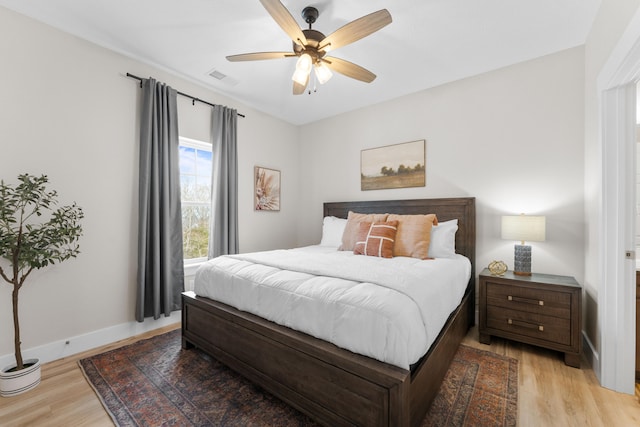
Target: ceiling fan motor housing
[{"x": 314, "y": 38}]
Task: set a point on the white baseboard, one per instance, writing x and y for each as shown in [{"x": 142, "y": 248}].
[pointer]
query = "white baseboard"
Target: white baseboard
[
  {"x": 591, "y": 354},
  {"x": 73, "y": 345}
]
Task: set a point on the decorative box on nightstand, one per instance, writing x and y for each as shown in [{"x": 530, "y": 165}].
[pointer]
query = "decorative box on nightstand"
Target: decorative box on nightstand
[{"x": 541, "y": 309}]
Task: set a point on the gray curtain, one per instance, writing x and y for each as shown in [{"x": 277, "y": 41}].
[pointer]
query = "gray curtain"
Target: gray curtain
[
  {"x": 223, "y": 235},
  {"x": 160, "y": 263}
]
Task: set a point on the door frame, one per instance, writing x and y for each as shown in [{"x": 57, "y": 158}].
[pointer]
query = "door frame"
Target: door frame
[{"x": 616, "y": 87}]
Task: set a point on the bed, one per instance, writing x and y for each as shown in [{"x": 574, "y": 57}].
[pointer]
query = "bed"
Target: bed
[{"x": 332, "y": 385}]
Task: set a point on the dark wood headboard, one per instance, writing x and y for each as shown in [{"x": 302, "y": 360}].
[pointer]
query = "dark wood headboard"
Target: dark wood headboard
[{"x": 461, "y": 208}]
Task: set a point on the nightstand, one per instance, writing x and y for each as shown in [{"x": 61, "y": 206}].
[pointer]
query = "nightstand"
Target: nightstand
[{"x": 541, "y": 309}]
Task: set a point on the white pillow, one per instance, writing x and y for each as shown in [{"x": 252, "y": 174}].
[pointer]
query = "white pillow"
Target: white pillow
[
  {"x": 332, "y": 230},
  {"x": 443, "y": 239}
]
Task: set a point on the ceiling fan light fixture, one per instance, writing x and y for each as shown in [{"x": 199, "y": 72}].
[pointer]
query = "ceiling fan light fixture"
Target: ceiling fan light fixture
[
  {"x": 303, "y": 68},
  {"x": 323, "y": 73},
  {"x": 300, "y": 77},
  {"x": 311, "y": 46},
  {"x": 304, "y": 63}
]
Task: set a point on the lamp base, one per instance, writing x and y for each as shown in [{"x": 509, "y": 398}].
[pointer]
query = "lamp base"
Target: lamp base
[
  {"x": 521, "y": 273},
  {"x": 522, "y": 260}
]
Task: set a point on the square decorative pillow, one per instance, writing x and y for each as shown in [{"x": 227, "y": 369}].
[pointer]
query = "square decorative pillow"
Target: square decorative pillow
[
  {"x": 351, "y": 229},
  {"x": 443, "y": 239},
  {"x": 376, "y": 239},
  {"x": 414, "y": 234},
  {"x": 332, "y": 231}
]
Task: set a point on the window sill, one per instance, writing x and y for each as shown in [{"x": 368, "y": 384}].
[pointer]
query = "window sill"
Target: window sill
[{"x": 190, "y": 268}]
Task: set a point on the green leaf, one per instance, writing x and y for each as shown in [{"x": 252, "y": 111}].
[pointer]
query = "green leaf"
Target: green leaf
[{"x": 33, "y": 245}]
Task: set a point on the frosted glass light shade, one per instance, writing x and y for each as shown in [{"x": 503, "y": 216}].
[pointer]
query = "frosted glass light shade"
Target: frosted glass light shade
[
  {"x": 323, "y": 73},
  {"x": 303, "y": 68},
  {"x": 300, "y": 77},
  {"x": 304, "y": 63},
  {"x": 528, "y": 228}
]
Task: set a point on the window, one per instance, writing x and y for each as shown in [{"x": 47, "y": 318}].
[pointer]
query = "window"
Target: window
[{"x": 195, "y": 186}]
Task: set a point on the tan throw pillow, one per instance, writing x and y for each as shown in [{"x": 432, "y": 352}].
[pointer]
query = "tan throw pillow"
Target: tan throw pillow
[
  {"x": 414, "y": 234},
  {"x": 376, "y": 239},
  {"x": 351, "y": 229}
]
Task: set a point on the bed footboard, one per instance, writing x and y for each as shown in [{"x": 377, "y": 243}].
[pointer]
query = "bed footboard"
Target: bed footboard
[{"x": 331, "y": 385}]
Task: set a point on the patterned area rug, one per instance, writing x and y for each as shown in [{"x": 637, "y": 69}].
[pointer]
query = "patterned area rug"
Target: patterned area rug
[
  {"x": 479, "y": 389},
  {"x": 154, "y": 382}
]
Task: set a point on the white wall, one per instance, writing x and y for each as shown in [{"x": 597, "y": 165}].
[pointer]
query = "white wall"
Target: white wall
[
  {"x": 67, "y": 110},
  {"x": 512, "y": 138}
]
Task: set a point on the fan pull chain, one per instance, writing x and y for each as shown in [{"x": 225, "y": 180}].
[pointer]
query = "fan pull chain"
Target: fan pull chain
[{"x": 312, "y": 79}]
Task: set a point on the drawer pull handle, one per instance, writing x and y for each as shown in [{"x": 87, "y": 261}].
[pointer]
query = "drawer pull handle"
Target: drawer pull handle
[
  {"x": 525, "y": 324},
  {"x": 525, "y": 300}
]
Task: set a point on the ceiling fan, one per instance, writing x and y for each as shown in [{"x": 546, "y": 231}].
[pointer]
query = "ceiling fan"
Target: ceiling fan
[{"x": 311, "y": 46}]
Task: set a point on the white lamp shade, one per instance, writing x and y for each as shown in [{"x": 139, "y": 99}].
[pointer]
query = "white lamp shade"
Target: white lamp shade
[{"x": 524, "y": 228}]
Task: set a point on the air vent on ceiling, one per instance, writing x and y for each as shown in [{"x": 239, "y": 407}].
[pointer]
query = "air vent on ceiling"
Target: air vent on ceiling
[
  {"x": 223, "y": 77},
  {"x": 217, "y": 75}
]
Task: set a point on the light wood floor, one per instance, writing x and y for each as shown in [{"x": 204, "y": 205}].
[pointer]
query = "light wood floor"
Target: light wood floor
[{"x": 549, "y": 393}]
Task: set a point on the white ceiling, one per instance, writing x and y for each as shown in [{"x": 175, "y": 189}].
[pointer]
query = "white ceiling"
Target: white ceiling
[{"x": 429, "y": 42}]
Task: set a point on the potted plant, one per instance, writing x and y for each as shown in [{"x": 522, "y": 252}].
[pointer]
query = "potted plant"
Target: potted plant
[{"x": 33, "y": 234}]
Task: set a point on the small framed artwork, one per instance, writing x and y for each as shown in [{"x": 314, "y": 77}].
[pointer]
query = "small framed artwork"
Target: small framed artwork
[
  {"x": 393, "y": 166},
  {"x": 266, "y": 193}
]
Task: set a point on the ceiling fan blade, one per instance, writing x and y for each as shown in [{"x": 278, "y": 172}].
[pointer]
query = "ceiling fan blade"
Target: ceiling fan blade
[
  {"x": 283, "y": 18},
  {"x": 349, "y": 69},
  {"x": 355, "y": 30},
  {"x": 258, "y": 56},
  {"x": 298, "y": 89}
]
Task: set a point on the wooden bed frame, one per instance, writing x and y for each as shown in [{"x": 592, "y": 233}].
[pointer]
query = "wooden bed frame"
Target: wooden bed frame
[{"x": 332, "y": 385}]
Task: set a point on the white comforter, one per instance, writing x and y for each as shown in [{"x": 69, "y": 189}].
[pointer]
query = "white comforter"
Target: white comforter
[{"x": 388, "y": 309}]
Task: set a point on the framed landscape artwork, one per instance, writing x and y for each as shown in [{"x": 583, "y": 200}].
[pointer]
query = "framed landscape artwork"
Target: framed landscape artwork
[
  {"x": 393, "y": 166},
  {"x": 266, "y": 192}
]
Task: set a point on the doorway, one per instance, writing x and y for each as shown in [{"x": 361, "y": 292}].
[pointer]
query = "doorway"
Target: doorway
[{"x": 616, "y": 297}]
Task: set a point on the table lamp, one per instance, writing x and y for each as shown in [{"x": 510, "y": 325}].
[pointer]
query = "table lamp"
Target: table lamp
[{"x": 523, "y": 228}]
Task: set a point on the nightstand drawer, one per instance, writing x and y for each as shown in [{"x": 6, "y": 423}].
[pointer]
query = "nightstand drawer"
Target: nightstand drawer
[
  {"x": 544, "y": 302},
  {"x": 539, "y": 326}
]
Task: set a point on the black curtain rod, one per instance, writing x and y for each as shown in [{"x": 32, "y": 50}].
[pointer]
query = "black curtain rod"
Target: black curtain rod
[{"x": 193, "y": 98}]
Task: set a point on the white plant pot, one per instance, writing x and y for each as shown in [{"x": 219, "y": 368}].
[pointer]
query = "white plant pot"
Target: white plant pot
[{"x": 17, "y": 382}]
